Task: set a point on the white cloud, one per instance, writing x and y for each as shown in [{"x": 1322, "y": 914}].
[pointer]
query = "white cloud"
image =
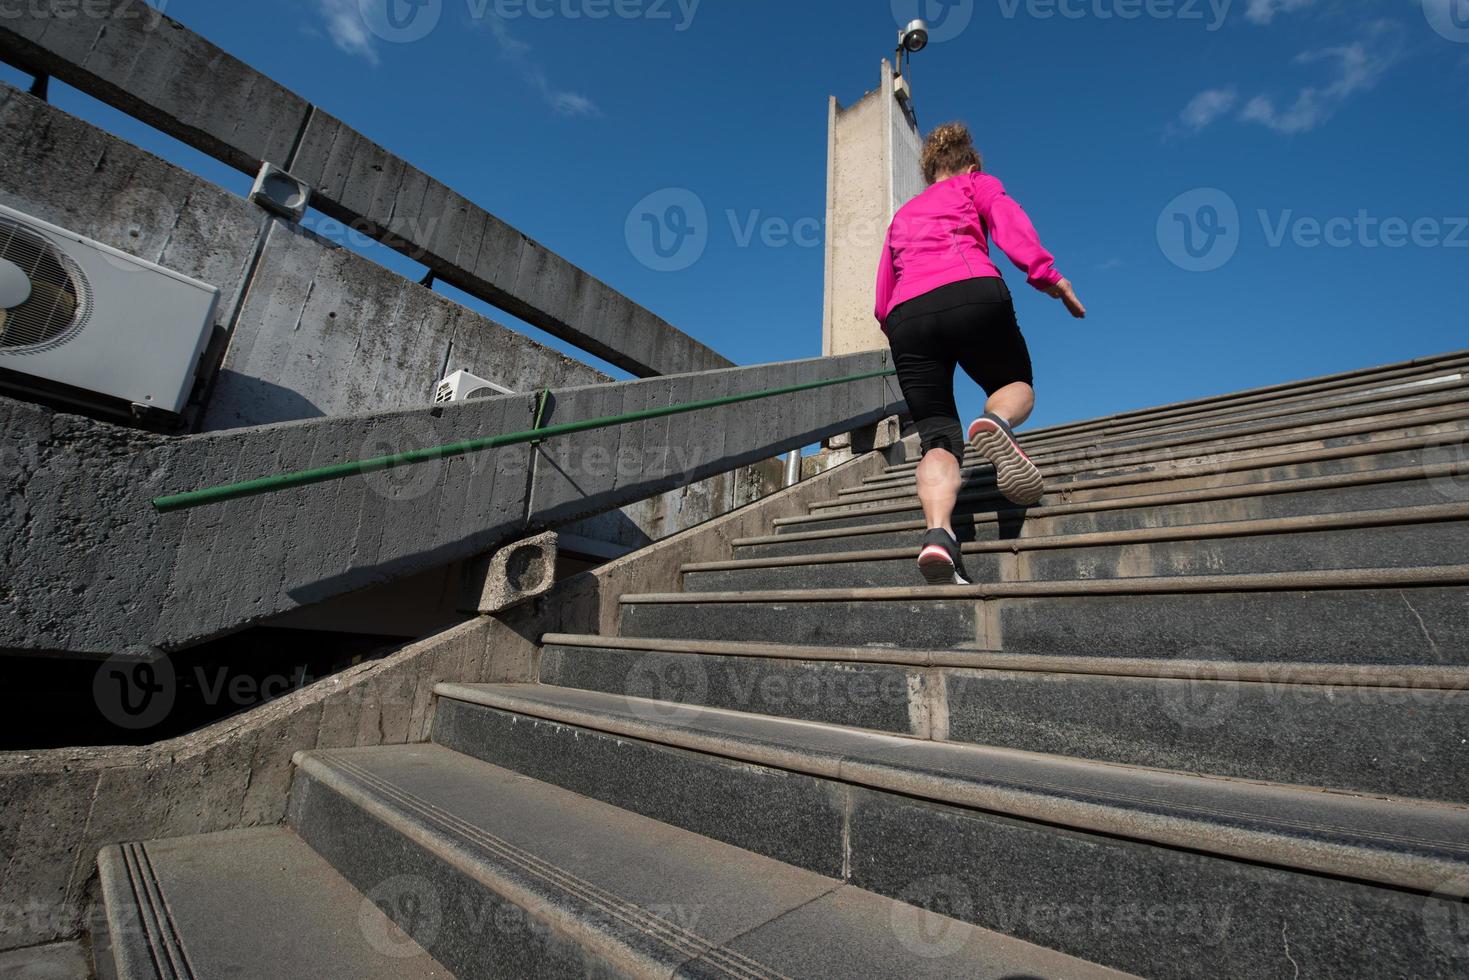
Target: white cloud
[
  {"x": 1207, "y": 106},
  {"x": 1264, "y": 11},
  {"x": 1354, "y": 68},
  {"x": 517, "y": 53},
  {"x": 1110, "y": 264},
  {"x": 347, "y": 30}
]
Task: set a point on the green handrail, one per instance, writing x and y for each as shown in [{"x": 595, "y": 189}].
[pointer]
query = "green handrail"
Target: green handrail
[{"x": 340, "y": 471}]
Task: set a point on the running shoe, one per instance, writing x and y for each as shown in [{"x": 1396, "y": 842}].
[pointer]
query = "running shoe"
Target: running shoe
[
  {"x": 941, "y": 561},
  {"x": 1017, "y": 477}
]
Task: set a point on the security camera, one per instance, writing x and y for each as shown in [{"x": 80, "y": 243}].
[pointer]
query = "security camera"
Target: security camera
[{"x": 914, "y": 37}]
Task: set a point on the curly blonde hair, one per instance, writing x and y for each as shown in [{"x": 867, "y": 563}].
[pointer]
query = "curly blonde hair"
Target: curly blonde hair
[{"x": 948, "y": 151}]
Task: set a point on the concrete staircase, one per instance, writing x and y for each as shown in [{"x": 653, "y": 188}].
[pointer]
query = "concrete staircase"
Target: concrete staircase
[{"x": 1206, "y": 716}]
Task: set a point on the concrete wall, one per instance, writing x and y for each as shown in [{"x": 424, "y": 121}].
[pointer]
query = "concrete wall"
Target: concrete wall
[
  {"x": 321, "y": 330},
  {"x": 309, "y": 329},
  {"x": 62, "y": 806},
  {"x": 128, "y": 54},
  {"x": 324, "y": 331},
  {"x": 105, "y": 573},
  {"x": 873, "y": 167}
]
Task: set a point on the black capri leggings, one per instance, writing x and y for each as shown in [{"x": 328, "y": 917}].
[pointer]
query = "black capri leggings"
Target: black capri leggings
[{"x": 969, "y": 323}]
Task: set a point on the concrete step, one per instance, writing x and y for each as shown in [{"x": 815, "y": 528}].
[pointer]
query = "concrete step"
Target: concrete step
[
  {"x": 1393, "y": 731},
  {"x": 1321, "y": 387},
  {"x": 1195, "y": 452},
  {"x": 1300, "y": 407},
  {"x": 1396, "y": 617},
  {"x": 1393, "y": 538},
  {"x": 243, "y": 905},
  {"x": 1281, "y": 499},
  {"x": 1440, "y": 449},
  {"x": 1005, "y": 833},
  {"x": 513, "y": 877}
]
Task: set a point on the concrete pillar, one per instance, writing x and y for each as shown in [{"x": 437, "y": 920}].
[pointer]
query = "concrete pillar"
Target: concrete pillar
[{"x": 874, "y": 167}]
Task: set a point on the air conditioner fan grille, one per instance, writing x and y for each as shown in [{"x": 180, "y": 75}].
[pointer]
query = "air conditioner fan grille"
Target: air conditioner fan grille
[{"x": 60, "y": 302}]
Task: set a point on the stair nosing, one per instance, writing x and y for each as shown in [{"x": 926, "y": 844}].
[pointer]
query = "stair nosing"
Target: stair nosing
[
  {"x": 1239, "y": 491},
  {"x": 1409, "y": 677},
  {"x": 1437, "y": 576},
  {"x": 1427, "y": 514},
  {"x": 1418, "y": 872}
]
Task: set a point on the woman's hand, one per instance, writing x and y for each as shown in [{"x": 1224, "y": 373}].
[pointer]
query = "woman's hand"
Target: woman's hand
[{"x": 1063, "y": 291}]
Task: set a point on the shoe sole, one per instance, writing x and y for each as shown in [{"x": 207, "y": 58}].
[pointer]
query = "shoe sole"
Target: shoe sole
[
  {"x": 1016, "y": 476},
  {"x": 938, "y": 569}
]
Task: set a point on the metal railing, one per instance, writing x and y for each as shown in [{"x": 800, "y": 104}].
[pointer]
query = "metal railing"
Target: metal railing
[{"x": 341, "y": 471}]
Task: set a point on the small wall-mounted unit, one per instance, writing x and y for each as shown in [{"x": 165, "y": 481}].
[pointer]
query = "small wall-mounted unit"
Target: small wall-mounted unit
[
  {"x": 84, "y": 322},
  {"x": 462, "y": 386}
]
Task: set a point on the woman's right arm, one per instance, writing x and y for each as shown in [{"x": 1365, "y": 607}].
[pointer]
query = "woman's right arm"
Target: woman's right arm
[{"x": 1012, "y": 230}]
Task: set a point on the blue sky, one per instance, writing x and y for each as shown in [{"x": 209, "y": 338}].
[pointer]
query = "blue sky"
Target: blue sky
[{"x": 1242, "y": 191}]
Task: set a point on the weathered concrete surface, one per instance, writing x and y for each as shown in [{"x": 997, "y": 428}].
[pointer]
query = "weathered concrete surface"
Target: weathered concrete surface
[
  {"x": 873, "y": 168},
  {"x": 131, "y": 56},
  {"x": 515, "y": 574},
  {"x": 238, "y": 773},
  {"x": 324, "y": 331},
  {"x": 590, "y": 603},
  {"x": 62, "y": 806},
  {"x": 108, "y": 574},
  {"x": 58, "y": 961},
  {"x": 59, "y": 169}
]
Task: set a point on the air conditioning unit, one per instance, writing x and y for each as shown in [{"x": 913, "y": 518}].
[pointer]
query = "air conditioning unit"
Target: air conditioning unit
[
  {"x": 85, "y": 322},
  {"x": 462, "y": 386}
]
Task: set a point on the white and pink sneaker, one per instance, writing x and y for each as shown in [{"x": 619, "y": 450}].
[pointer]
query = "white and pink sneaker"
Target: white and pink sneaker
[{"x": 1016, "y": 476}]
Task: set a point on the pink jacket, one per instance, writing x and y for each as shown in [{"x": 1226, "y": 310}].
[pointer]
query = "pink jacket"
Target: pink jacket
[{"x": 940, "y": 237}]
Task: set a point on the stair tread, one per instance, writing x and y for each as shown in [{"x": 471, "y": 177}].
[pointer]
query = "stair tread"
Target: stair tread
[
  {"x": 1337, "y": 675},
  {"x": 1352, "y": 520},
  {"x": 1435, "y": 576},
  {"x": 1154, "y": 492},
  {"x": 247, "y": 904},
  {"x": 1404, "y": 843},
  {"x": 647, "y": 896}
]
